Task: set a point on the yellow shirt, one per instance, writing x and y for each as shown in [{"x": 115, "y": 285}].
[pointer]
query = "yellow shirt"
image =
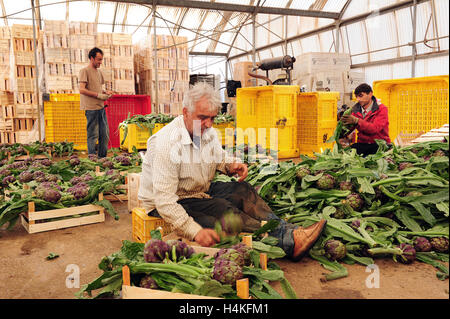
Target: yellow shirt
[
  {"x": 175, "y": 168},
  {"x": 94, "y": 81}
]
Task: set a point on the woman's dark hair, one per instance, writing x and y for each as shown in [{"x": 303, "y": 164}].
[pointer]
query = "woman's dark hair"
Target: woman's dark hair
[
  {"x": 363, "y": 88},
  {"x": 93, "y": 53}
]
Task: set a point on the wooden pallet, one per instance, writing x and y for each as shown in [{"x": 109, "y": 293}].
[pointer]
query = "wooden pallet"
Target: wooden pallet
[
  {"x": 22, "y": 31},
  {"x": 35, "y": 222}
]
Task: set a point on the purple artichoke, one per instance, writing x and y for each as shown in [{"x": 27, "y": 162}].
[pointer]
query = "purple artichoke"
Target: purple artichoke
[
  {"x": 79, "y": 191},
  {"x": 439, "y": 153},
  {"x": 426, "y": 158},
  {"x": 355, "y": 201},
  {"x": 48, "y": 194},
  {"x": 302, "y": 172},
  {"x": 404, "y": 165},
  {"x": 38, "y": 174},
  {"x": 123, "y": 160},
  {"x": 408, "y": 254},
  {"x": 422, "y": 244},
  {"x": 339, "y": 214},
  {"x": 75, "y": 180},
  {"x": 108, "y": 164},
  {"x": 231, "y": 223},
  {"x": 148, "y": 282},
  {"x": 53, "y": 185},
  {"x": 181, "y": 249},
  {"x": 8, "y": 179},
  {"x": 231, "y": 255},
  {"x": 244, "y": 250},
  {"x": 335, "y": 250},
  {"x": 326, "y": 182},
  {"x": 46, "y": 162},
  {"x": 346, "y": 186},
  {"x": 439, "y": 244},
  {"x": 74, "y": 161},
  {"x": 87, "y": 177},
  {"x": 227, "y": 272},
  {"x": 356, "y": 223},
  {"x": 5, "y": 172},
  {"x": 93, "y": 157},
  {"x": 155, "y": 250},
  {"x": 25, "y": 176}
]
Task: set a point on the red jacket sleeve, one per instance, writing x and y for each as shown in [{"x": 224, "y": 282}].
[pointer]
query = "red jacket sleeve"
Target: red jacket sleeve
[{"x": 380, "y": 121}]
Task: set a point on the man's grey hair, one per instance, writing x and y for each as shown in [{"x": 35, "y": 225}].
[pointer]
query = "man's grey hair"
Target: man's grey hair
[{"x": 197, "y": 92}]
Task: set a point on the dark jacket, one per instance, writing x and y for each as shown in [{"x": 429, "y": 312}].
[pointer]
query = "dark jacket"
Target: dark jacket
[{"x": 375, "y": 125}]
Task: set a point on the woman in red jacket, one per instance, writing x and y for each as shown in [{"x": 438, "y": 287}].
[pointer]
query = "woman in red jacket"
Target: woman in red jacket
[{"x": 371, "y": 121}]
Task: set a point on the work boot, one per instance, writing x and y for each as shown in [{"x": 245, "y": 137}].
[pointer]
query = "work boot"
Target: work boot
[{"x": 305, "y": 238}]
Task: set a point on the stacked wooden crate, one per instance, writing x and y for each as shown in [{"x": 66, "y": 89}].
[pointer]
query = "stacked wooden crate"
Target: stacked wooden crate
[
  {"x": 56, "y": 48},
  {"x": 19, "y": 109},
  {"x": 172, "y": 71},
  {"x": 5, "y": 51},
  {"x": 117, "y": 66},
  {"x": 82, "y": 38}
]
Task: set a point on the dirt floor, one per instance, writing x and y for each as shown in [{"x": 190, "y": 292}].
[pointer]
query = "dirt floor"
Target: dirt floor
[{"x": 26, "y": 274}]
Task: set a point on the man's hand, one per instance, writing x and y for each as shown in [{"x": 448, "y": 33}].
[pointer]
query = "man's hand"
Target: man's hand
[
  {"x": 110, "y": 92},
  {"x": 349, "y": 119},
  {"x": 103, "y": 97},
  {"x": 207, "y": 237},
  {"x": 238, "y": 168},
  {"x": 344, "y": 142}
]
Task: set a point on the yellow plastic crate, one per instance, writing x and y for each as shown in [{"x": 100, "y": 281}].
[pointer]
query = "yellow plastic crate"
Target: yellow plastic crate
[
  {"x": 317, "y": 120},
  {"x": 65, "y": 121},
  {"x": 222, "y": 130},
  {"x": 142, "y": 224},
  {"x": 414, "y": 104},
  {"x": 269, "y": 110},
  {"x": 137, "y": 136}
]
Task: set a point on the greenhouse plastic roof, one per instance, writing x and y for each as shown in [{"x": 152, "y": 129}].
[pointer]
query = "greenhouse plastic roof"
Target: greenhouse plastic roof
[{"x": 370, "y": 30}]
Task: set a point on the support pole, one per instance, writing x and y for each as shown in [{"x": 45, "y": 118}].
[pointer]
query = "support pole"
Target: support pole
[
  {"x": 36, "y": 71},
  {"x": 413, "y": 45},
  {"x": 155, "y": 61},
  {"x": 254, "y": 44}
]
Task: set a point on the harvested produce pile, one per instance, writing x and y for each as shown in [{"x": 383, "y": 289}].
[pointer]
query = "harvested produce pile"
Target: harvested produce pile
[
  {"x": 36, "y": 148},
  {"x": 65, "y": 183},
  {"x": 393, "y": 203},
  {"x": 145, "y": 121},
  {"x": 174, "y": 266}
]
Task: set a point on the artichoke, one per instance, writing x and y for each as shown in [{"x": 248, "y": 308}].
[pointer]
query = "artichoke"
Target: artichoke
[
  {"x": 245, "y": 251},
  {"x": 25, "y": 176},
  {"x": 355, "y": 201},
  {"x": 155, "y": 250},
  {"x": 335, "y": 249},
  {"x": 356, "y": 223},
  {"x": 46, "y": 162},
  {"x": 8, "y": 179},
  {"x": 426, "y": 158},
  {"x": 38, "y": 174},
  {"x": 79, "y": 191},
  {"x": 123, "y": 160},
  {"x": 439, "y": 153},
  {"x": 408, "y": 254},
  {"x": 339, "y": 214},
  {"x": 422, "y": 244},
  {"x": 439, "y": 244},
  {"x": 74, "y": 161},
  {"x": 5, "y": 172},
  {"x": 302, "y": 172},
  {"x": 108, "y": 164},
  {"x": 87, "y": 177},
  {"x": 346, "y": 186},
  {"x": 181, "y": 249},
  {"x": 48, "y": 194},
  {"x": 53, "y": 185},
  {"x": 404, "y": 165},
  {"x": 148, "y": 282},
  {"x": 231, "y": 255},
  {"x": 93, "y": 157},
  {"x": 231, "y": 223},
  {"x": 75, "y": 180},
  {"x": 326, "y": 182},
  {"x": 227, "y": 272}
]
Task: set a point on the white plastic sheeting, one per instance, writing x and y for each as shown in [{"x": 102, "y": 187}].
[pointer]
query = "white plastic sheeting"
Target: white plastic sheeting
[{"x": 377, "y": 38}]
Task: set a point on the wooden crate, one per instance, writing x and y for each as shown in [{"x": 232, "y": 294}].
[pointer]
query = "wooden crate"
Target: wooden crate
[
  {"x": 26, "y": 137},
  {"x": 35, "y": 222},
  {"x": 133, "y": 189},
  {"x": 121, "y": 39},
  {"x": 82, "y": 28},
  {"x": 7, "y": 137},
  {"x": 22, "y": 31},
  {"x": 23, "y": 124},
  {"x": 124, "y": 86},
  {"x": 25, "y": 84},
  {"x": 28, "y": 98},
  {"x": 58, "y": 83},
  {"x": 5, "y": 33},
  {"x": 24, "y": 58},
  {"x": 5, "y": 83},
  {"x": 82, "y": 41},
  {"x": 23, "y": 111},
  {"x": 56, "y": 27},
  {"x": 6, "y": 125},
  {"x": 61, "y": 55},
  {"x": 6, "y": 98}
]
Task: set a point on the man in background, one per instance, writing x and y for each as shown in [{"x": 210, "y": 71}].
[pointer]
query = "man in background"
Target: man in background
[{"x": 92, "y": 97}]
